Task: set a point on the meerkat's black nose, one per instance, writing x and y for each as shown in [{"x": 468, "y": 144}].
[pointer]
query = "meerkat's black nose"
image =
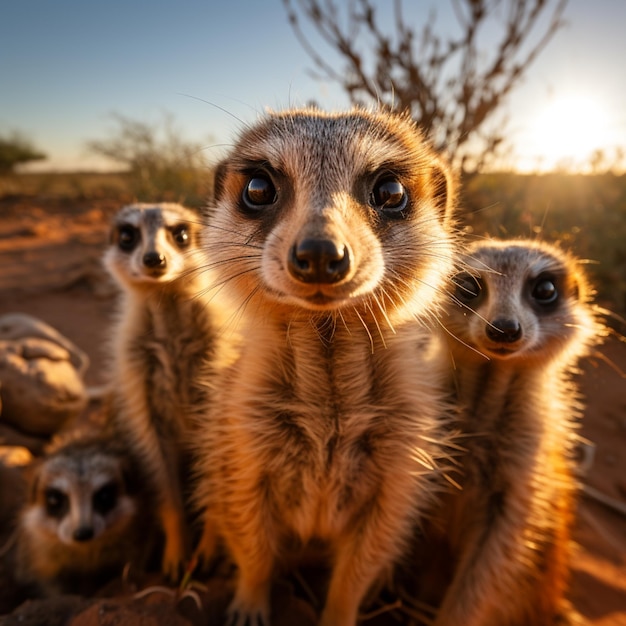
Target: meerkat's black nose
[
  {"x": 83, "y": 533},
  {"x": 154, "y": 259},
  {"x": 319, "y": 261},
  {"x": 504, "y": 330}
]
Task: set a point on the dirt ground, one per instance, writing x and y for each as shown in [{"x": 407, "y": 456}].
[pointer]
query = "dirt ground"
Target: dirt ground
[{"x": 50, "y": 253}]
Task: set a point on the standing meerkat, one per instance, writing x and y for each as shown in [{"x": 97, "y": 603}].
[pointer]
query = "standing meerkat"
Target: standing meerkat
[
  {"x": 333, "y": 232},
  {"x": 164, "y": 335},
  {"x": 86, "y": 515},
  {"x": 521, "y": 320}
]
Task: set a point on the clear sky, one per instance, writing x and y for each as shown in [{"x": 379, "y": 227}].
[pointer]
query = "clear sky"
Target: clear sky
[{"x": 65, "y": 65}]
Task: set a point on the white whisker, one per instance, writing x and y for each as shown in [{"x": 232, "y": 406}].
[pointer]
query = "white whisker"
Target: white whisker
[
  {"x": 367, "y": 330},
  {"x": 380, "y": 332}
]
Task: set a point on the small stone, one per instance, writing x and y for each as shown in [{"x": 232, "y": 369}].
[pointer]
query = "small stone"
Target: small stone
[{"x": 41, "y": 373}]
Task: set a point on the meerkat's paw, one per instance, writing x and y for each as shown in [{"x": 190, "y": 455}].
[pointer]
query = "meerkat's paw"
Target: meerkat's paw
[
  {"x": 174, "y": 561},
  {"x": 249, "y": 609},
  {"x": 205, "y": 554},
  {"x": 237, "y": 617}
]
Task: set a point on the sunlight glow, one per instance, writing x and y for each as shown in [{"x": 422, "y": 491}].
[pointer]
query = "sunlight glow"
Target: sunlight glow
[{"x": 567, "y": 132}]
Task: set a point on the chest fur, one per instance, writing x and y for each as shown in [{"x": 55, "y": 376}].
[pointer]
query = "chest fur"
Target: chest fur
[
  {"x": 325, "y": 419},
  {"x": 164, "y": 343}
]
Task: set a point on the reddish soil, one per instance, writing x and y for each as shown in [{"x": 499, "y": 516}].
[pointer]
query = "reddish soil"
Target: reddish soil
[{"x": 50, "y": 253}]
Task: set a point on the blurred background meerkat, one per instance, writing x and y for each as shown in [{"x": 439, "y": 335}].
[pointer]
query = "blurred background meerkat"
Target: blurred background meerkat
[
  {"x": 338, "y": 246},
  {"x": 164, "y": 336},
  {"x": 88, "y": 513},
  {"x": 520, "y": 320}
]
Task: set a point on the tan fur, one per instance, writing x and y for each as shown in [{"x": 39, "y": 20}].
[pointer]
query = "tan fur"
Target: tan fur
[
  {"x": 509, "y": 529},
  {"x": 164, "y": 335},
  {"x": 329, "y": 427},
  {"x": 85, "y": 517}
]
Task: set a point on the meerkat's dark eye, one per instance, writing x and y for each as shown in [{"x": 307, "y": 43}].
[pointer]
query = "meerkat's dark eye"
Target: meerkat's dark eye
[
  {"x": 181, "y": 236},
  {"x": 389, "y": 196},
  {"x": 259, "y": 192},
  {"x": 105, "y": 499},
  {"x": 127, "y": 237},
  {"x": 57, "y": 503},
  {"x": 545, "y": 292},
  {"x": 468, "y": 287}
]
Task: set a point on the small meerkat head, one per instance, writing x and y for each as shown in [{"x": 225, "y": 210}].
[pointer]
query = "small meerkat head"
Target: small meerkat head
[
  {"x": 329, "y": 211},
  {"x": 520, "y": 299},
  {"x": 152, "y": 244},
  {"x": 81, "y": 492}
]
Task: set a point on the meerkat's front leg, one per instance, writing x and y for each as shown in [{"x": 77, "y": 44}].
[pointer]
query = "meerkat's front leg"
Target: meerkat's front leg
[
  {"x": 363, "y": 553},
  {"x": 249, "y": 546},
  {"x": 242, "y": 521},
  {"x": 174, "y": 551},
  {"x": 250, "y": 605},
  {"x": 206, "y": 549},
  {"x": 171, "y": 514}
]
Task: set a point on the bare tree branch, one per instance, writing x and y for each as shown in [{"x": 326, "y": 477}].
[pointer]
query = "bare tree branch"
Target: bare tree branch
[{"x": 452, "y": 86}]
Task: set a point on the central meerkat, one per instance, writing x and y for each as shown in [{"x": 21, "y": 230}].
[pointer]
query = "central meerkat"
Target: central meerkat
[{"x": 332, "y": 230}]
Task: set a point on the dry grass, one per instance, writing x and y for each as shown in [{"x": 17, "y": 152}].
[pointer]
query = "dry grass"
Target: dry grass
[{"x": 66, "y": 185}]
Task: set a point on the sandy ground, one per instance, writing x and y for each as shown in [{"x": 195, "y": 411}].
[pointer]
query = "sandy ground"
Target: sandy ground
[{"x": 50, "y": 253}]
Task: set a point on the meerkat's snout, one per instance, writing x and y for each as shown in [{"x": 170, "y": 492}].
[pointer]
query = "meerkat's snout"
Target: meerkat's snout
[
  {"x": 500, "y": 327},
  {"x": 316, "y": 260},
  {"x": 83, "y": 533},
  {"x": 154, "y": 260},
  {"x": 504, "y": 330},
  {"x": 128, "y": 238},
  {"x": 92, "y": 519}
]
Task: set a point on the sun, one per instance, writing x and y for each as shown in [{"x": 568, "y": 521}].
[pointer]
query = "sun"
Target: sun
[{"x": 568, "y": 131}]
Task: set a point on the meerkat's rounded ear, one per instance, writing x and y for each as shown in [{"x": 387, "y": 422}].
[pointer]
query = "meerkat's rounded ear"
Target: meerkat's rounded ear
[
  {"x": 444, "y": 186},
  {"x": 219, "y": 174},
  {"x": 581, "y": 288}
]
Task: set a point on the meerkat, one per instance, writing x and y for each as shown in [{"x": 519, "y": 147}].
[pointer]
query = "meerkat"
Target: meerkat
[
  {"x": 520, "y": 320},
  {"x": 333, "y": 231},
  {"x": 164, "y": 335},
  {"x": 85, "y": 517}
]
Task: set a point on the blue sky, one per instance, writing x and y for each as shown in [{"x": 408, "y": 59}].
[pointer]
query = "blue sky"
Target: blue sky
[{"x": 65, "y": 65}]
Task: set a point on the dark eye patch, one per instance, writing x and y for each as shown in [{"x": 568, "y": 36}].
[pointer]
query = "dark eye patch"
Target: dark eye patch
[
  {"x": 468, "y": 288},
  {"x": 544, "y": 291},
  {"x": 389, "y": 196},
  {"x": 128, "y": 237},
  {"x": 181, "y": 236},
  {"x": 259, "y": 192},
  {"x": 57, "y": 502},
  {"x": 105, "y": 499}
]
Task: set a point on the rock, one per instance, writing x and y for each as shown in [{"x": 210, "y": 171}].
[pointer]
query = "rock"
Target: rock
[
  {"x": 41, "y": 374},
  {"x": 21, "y": 326}
]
